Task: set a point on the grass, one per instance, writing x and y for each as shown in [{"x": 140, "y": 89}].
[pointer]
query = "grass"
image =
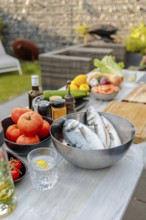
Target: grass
[{"x": 12, "y": 84}]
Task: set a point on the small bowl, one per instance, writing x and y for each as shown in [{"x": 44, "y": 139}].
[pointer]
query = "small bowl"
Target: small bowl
[
  {"x": 93, "y": 159},
  {"x": 103, "y": 96},
  {"x": 24, "y": 149},
  {"x": 23, "y": 169}
]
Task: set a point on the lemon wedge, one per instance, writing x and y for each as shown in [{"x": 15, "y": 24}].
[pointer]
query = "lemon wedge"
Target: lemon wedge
[
  {"x": 42, "y": 164},
  {"x": 132, "y": 79}
]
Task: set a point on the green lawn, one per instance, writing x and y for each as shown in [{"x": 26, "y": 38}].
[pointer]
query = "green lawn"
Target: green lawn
[{"x": 12, "y": 84}]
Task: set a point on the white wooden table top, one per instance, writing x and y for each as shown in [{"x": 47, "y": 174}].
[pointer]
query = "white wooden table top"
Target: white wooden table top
[{"x": 83, "y": 194}]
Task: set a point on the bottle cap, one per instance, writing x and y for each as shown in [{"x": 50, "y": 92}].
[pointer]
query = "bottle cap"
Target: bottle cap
[
  {"x": 44, "y": 108},
  {"x": 58, "y": 103},
  {"x": 34, "y": 76},
  {"x": 55, "y": 97}
]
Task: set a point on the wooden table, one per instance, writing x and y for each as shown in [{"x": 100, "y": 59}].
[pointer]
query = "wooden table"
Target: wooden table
[{"x": 83, "y": 194}]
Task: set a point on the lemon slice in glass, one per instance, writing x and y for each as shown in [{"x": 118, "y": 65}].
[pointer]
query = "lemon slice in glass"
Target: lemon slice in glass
[{"x": 42, "y": 164}]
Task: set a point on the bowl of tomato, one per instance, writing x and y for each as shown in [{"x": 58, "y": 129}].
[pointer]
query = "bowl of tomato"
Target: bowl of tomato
[
  {"x": 22, "y": 142},
  {"x": 105, "y": 92},
  {"x": 18, "y": 167}
]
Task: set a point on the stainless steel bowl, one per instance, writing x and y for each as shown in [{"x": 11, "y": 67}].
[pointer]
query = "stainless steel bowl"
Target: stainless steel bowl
[{"x": 93, "y": 159}]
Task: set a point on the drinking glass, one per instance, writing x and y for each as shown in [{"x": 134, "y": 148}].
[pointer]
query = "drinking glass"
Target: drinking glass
[
  {"x": 43, "y": 168},
  {"x": 130, "y": 77},
  {"x": 7, "y": 190}
]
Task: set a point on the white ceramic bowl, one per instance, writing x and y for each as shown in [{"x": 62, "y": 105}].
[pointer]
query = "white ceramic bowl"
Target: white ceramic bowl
[{"x": 104, "y": 96}]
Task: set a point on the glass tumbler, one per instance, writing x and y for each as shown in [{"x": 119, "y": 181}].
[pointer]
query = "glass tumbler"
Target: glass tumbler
[{"x": 42, "y": 168}]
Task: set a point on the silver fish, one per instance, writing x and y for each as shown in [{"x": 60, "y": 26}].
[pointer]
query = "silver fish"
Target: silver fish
[
  {"x": 95, "y": 122},
  {"x": 79, "y": 135},
  {"x": 115, "y": 140}
]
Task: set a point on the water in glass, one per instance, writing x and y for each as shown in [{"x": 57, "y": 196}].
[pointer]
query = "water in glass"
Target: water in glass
[{"x": 43, "y": 171}]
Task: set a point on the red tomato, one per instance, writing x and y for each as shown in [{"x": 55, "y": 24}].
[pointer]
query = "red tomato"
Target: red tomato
[
  {"x": 15, "y": 163},
  {"x": 45, "y": 129},
  {"x": 15, "y": 174},
  {"x": 30, "y": 123},
  {"x": 22, "y": 139},
  {"x": 13, "y": 132},
  {"x": 17, "y": 112}
]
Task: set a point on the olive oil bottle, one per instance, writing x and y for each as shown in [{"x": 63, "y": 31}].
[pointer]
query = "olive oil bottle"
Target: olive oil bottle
[{"x": 35, "y": 91}]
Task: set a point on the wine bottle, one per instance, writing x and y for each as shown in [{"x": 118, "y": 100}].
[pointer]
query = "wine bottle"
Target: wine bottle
[{"x": 35, "y": 91}]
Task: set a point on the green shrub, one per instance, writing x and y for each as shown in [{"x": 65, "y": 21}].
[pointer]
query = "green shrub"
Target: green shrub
[{"x": 136, "y": 42}]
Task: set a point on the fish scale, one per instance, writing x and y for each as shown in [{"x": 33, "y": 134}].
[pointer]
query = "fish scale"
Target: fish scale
[
  {"x": 115, "y": 140},
  {"x": 94, "y": 119},
  {"x": 79, "y": 135}
]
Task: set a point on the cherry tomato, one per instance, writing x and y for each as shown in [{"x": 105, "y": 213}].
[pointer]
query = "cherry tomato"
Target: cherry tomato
[
  {"x": 15, "y": 163},
  {"x": 15, "y": 167},
  {"x": 15, "y": 174}
]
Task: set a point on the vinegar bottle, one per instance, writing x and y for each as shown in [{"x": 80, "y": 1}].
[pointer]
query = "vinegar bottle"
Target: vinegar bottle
[
  {"x": 35, "y": 90},
  {"x": 7, "y": 190}
]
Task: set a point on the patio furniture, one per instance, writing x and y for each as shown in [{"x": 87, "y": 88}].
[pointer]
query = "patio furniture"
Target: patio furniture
[
  {"x": 59, "y": 66},
  {"x": 119, "y": 49},
  {"x": 7, "y": 62}
]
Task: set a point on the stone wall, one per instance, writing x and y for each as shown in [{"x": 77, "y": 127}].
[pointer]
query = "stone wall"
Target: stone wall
[{"x": 51, "y": 24}]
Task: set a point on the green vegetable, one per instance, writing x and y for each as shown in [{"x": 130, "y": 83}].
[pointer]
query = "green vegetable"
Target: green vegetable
[
  {"x": 76, "y": 93},
  {"x": 108, "y": 65}
]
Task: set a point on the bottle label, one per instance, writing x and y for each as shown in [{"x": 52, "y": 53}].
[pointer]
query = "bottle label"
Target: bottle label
[
  {"x": 35, "y": 81},
  {"x": 58, "y": 112}
]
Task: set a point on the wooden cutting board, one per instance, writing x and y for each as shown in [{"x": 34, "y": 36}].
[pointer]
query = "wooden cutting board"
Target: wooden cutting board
[
  {"x": 135, "y": 113},
  {"x": 138, "y": 95}
]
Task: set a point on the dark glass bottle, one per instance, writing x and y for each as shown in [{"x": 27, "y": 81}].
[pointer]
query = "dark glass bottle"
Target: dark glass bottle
[
  {"x": 70, "y": 100},
  {"x": 35, "y": 90}
]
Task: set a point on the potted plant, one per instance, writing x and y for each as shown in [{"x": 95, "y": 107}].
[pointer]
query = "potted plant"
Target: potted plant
[
  {"x": 136, "y": 45},
  {"x": 82, "y": 33}
]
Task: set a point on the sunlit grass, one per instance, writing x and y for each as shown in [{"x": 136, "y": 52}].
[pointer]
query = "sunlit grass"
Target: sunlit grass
[{"x": 12, "y": 84}]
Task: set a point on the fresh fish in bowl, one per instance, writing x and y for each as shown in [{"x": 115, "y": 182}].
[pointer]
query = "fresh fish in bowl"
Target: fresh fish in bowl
[
  {"x": 88, "y": 155},
  {"x": 79, "y": 135},
  {"x": 103, "y": 128},
  {"x": 96, "y": 123},
  {"x": 114, "y": 137}
]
